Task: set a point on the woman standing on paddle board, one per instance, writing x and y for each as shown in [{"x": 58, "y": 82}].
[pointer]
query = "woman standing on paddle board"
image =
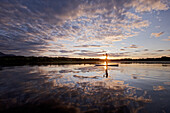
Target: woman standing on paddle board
[{"x": 106, "y": 59}]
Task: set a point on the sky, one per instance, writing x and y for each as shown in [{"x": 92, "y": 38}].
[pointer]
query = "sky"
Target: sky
[{"x": 85, "y": 28}]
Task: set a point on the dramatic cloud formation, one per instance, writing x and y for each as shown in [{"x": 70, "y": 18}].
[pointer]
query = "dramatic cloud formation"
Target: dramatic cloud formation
[
  {"x": 157, "y": 34},
  {"x": 50, "y": 27}
]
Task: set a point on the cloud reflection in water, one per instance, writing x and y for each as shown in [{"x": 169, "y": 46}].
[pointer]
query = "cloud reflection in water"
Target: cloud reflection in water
[{"x": 80, "y": 86}]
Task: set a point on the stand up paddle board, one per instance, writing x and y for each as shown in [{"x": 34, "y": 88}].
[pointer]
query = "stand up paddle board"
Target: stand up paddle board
[{"x": 107, "y": 65}]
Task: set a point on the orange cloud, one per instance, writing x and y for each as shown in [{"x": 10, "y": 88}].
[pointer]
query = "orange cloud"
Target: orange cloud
[
  {"x": 157, "y": 34},
  {"x": 168, "y": 39}
]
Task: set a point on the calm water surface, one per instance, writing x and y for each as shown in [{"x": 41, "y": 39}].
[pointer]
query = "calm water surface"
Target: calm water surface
[{"x": 127, "y": 88}]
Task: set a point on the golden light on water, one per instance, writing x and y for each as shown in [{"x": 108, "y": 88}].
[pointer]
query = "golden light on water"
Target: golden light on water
[
  {"x": 105, "y": 65},
  {"x": 104, "y": 57}
]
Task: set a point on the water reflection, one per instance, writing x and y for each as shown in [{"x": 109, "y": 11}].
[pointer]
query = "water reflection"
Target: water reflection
[
  {"x": 106, "y": 70},
  {"x": 83, "y": 89}
]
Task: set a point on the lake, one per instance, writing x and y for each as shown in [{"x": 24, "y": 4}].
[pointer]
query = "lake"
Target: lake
[{"x": 128, "y": 88}]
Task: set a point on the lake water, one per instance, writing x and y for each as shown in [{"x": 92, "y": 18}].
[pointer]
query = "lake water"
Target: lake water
[{"x": 135, "y": 88}]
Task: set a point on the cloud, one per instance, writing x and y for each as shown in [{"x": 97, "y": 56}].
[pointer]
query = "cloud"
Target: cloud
[
  {"x": 132, "y": 46},
  {"x": 160, "y": 50},
  {"x": 158, "y": 88},
  {"x": 32, "y": 27},
  {"x": 167, "y": 83},
  {"x": 168, "y": 39},
  {"x": 132, "y": 16},
  {"x": 49, "y": 11},
  {"x": 146, "y": 50},
  {"x": 137, "y": 51},
  {"x": 87, "y": 46},
  {"x": 86, "y": 51},
  {"x": 148, "y": 5},
  {"x": 89, "y": 53},
  {"x": 157, "y": 34},
  {"x": 122, "y": 49},
  {"x": 125, "y": 54},
  {"x": 68, "y": 51},
  {"x": 157, "y": 27}
]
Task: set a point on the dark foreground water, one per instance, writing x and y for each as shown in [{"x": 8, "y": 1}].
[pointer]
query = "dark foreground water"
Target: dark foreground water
[{"x": 129, "y": 88}]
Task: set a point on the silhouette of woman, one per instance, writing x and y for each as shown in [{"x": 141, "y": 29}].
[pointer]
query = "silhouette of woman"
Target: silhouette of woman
[{"x": 106, "y": 59}]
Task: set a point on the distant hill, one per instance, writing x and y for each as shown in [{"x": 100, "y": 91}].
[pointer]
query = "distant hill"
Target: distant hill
[{"x": 3, "y": 55}]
